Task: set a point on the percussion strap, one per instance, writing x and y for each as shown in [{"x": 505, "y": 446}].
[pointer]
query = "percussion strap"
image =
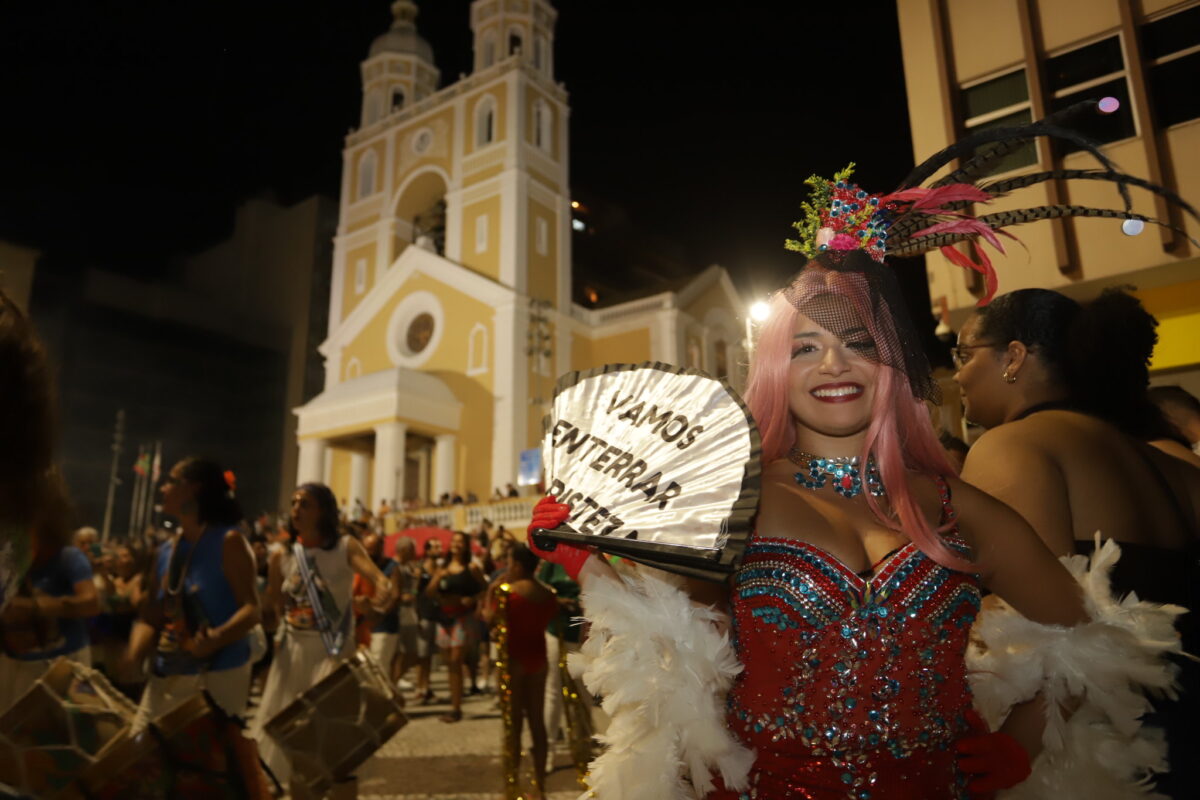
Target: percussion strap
[{"x": 332, "y": 638}]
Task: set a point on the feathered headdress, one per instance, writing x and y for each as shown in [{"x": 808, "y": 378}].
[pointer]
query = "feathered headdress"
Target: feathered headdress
[{"x": 915, "y": 219}]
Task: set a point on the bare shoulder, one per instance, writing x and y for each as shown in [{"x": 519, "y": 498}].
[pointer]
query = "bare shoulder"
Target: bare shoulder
[
  {"x": 234, "y": 541},
  {"x": 1026, "y": 434},
  {"x": 1177, "y": 451}
]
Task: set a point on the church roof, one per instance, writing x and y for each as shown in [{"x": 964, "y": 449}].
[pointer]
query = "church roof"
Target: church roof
[{"x": 402, "y": 38}]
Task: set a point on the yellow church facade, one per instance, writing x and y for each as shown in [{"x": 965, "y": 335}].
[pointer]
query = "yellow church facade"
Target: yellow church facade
[{"x": 450, "y": 311}]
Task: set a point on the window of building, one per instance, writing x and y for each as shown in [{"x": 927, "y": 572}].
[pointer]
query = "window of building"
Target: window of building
[
  {"x": 538, "y": 50},
  {"x": 543, "y": 237},
  {"x": 489, "y": 50},
  {"x": 1093, "y": 71},
  {"x": 515, "y": 41},
  {"x": 360, "y": 276},
  {"x": 997, "y": 103},
  {"x": 721, "y": 367},
  {"x": 481, "y": 233},
  {"x": 420, "y": 331},
  {"x": 485, "y": 122},
  {"x": 1171, "y": 47},
  {"x": 397, "y": 99},
  {"x": 366, "y": 175},
  {"x": 543, "y": 126},
  {"x": 477, "y": 350}
]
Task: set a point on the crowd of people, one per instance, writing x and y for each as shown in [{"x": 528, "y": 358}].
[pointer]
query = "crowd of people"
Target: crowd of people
[
  {"x": 217, "y": 604},
  {"x": 913, "y": 618}
]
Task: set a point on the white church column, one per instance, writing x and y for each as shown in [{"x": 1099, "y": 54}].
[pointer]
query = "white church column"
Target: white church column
[
  {"x": 360, "y": 479},
  {"x": 422, "y": 458},
  {"x": 311, "y": 463},
  {"x": 511, "y": 392},
  {"x": 389, "y": 462},
  {"x": 445, "y": 467}
]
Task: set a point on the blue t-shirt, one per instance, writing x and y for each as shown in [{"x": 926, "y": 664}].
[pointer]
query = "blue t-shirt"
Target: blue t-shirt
[{"x": 56, "y": 578}]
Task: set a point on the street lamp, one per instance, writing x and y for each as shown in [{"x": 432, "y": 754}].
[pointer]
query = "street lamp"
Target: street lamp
[{"x": 758, "y": 313}]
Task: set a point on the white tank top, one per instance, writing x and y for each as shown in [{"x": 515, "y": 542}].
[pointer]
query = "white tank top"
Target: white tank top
[{"x": 333, "y": 565}]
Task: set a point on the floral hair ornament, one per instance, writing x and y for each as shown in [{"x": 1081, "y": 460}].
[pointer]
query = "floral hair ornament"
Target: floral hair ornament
[{"x": 840, "y": 218}]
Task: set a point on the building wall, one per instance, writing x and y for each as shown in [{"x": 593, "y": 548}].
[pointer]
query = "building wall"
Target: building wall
[{"x": 954, "y": 45}]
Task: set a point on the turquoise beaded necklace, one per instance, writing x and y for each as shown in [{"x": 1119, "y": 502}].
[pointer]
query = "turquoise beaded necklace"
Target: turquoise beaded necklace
[{"x": 845, "y": 474}]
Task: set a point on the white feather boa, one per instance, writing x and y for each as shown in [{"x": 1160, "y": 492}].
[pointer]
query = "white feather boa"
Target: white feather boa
[
  {"x": 1101, "y": 752},
  {"x": 662, "y": 665}
]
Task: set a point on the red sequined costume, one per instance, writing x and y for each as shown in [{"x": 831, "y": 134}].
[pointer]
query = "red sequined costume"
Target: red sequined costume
[{"x": 854, "y": 687}]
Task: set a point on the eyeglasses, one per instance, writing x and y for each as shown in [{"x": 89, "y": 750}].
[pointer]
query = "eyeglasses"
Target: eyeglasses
[{"x": 962, "y": 353}]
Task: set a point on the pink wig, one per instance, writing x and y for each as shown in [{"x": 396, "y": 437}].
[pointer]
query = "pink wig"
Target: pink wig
[{"x": 900, "y": 435}]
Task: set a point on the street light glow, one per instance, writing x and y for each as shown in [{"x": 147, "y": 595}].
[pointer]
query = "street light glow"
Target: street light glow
[{"x": 760, "y": 311}]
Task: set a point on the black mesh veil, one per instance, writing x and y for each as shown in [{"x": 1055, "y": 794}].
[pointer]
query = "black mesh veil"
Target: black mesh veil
[{"x": 859, "y": 300}]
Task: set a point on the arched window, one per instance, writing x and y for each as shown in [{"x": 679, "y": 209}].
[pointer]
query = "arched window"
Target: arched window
[
  {"x": 397, "y": 98},
  {"x": 485, "y": 122},
  {"x": 353, "y": 369},
  {"x": 537, "y": 52},
  {"x": 366, "y": 175},
  {"x": 360, "y": 276},
  {"x": 371, "y": 109},
  {"x": 721, "y": 367},
  {"x": 515, "y": 41},
  {"x": 489, "y": 50},
  {"x": 543, "y": 126},
  {"x": 477, "y": 350}
]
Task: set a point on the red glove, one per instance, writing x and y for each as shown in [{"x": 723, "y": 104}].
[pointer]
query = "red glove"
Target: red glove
[
  {"x": 547, "y": 515},
  {"x": 993, "y": 761}
]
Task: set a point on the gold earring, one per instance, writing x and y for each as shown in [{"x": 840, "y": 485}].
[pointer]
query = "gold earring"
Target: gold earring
[{"x": 1009, "y": 378}]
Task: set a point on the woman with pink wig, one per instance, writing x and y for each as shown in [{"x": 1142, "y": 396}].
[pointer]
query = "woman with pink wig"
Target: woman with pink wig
[{"x": 854, "y": 602}]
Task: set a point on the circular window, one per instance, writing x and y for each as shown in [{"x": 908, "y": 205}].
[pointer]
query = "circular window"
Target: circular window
[
  {"x": 415, "y": 329},
  {"x": 422, "y": 141},
  {"x": 420, "y": 331}
]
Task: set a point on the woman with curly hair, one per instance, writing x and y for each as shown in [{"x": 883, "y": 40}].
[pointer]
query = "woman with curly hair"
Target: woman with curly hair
[{"x": 1062, "y": 389}]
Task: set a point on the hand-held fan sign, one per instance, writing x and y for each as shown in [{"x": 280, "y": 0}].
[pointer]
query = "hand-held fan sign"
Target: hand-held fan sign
[{"x": 660, "y": 464}]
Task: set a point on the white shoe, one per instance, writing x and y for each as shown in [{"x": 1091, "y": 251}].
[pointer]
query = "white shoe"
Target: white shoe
[{"x": 405, "y": 686}]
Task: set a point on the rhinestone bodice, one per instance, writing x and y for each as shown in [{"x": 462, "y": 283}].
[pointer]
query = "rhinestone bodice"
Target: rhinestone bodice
[{"x": 851, "y": 681}]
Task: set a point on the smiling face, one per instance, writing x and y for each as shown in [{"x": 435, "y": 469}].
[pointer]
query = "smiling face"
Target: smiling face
[{"x": 831, "y": 382}]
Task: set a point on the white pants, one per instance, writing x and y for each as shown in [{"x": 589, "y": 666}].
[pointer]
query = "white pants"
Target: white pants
[
  {"x": 383, "y": 650},
  {"x": 229, "y": 688},
  {"x": 17, "y": 676},
  {"x": 554, "y": 698}
]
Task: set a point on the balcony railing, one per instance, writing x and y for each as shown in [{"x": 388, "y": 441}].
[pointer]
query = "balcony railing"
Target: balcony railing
[{"x": 514, "y": 514}]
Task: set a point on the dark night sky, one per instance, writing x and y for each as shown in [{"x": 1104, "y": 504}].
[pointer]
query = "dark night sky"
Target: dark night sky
[{"x": 131, "y": 129}]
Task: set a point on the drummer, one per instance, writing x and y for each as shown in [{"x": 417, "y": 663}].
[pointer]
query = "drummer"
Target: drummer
[
  {"x": 309, "y": 586},
  {"x": 203, "y": 602}
]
